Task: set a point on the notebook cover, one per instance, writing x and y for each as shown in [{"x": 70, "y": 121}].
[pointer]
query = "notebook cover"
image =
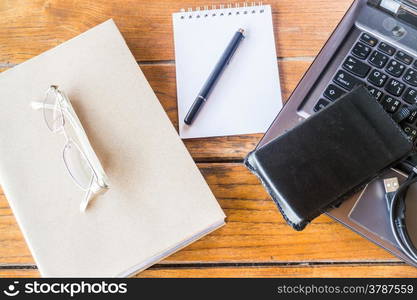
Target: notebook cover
[
  {"x": 247, "y": 97},
  {"x": 158, "y": 200},
  {"x": 329, "y": 156}
]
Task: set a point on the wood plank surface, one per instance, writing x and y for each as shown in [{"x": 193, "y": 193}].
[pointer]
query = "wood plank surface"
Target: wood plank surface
[
  {"x": 319, "y": 271},
  {"x": 316, "y": 271},
  {"x": 256, "y": 242},
  {"x": 30, "y": 27},
  {"x": 255, "y": 231}
]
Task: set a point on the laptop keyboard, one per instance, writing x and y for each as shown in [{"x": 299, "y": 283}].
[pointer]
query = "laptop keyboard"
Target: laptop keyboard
[{"x": 390, "y": 75}]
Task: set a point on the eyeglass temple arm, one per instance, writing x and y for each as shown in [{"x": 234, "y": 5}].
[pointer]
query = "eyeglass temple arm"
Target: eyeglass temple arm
[
  {"x": 36, "y": 105},
  {"x": 82, "y": 136}
]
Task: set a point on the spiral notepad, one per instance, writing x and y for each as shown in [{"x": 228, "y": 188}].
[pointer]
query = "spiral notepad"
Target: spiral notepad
[{"x": 247, "y": 97}]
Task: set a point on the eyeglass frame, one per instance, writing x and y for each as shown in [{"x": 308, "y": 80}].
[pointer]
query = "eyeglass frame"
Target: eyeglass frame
[{"x": 99, "y": 180}]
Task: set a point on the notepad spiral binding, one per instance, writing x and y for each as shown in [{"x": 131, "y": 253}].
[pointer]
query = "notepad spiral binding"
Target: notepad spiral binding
[{"x": 222, "y": 10}]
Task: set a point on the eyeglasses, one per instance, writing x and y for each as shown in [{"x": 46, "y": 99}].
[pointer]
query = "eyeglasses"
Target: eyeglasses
[{"x": 79, "y": 157}]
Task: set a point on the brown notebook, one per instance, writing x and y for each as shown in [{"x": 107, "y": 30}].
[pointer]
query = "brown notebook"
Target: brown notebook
[{"x": 158, "y": 201}]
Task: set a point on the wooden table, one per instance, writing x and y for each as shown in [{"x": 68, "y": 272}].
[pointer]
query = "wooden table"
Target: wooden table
[{"x": 256, "y": 241}]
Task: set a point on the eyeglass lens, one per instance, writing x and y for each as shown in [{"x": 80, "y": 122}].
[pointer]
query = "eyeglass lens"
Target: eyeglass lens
[
  {"x": 52, "y": 111},
  {"x": 78, "y": 166}
]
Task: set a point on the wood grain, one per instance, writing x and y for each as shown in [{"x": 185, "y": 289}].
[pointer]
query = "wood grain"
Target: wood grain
[
  {"x": 30, "y": 27},
  {"x": 316, "y": 271},
  {"x": 320, "y": 271},
  {"x": 255, "y": 231},
  {"x": 23, "y": 271}
]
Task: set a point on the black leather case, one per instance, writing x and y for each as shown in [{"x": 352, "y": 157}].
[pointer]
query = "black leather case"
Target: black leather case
[{"x": 329, "y": 156}]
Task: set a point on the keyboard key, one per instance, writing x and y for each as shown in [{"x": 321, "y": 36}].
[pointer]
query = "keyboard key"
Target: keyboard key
[
  {"x": 387, "y": 49},
  {"x": 320, "y": 105},
  {"x": 395, "y": 68},
  {"x": 333, "y": 92},
  {"x": 390, "y": 104},
  {"x": 410, "y": 77},
  {"x": 404, "y": 57},
  {"x": 376, "y": 93},
  {"x": 415, "y": 65},
  {"x": 369, "y": 40},
  {"x": 412, "y": 118},
  {"x": 377, "y": 78},
  {"x": 410, "y": 96},
  {"x": 395, "y": 87},
  {"x": 411, "y": 132},
  {"x": 345, "y": 80},
  {"x": 356, "y": 67},
  {"x": 361, "y": 50},
  {"x": 378, "y": 59}
]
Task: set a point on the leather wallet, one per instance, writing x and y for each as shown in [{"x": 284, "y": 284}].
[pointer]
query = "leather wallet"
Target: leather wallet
[{"x": 329, "y": 156}]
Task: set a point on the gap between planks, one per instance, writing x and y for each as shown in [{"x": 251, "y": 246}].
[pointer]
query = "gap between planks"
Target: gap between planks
[
  {"x": 236, "y": 265},
  {"x": 172, "y": 62},
  {"x": 6, "y": 65}
]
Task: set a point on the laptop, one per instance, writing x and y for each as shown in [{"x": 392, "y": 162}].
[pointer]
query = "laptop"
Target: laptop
[{"x": 375, "y": 44}]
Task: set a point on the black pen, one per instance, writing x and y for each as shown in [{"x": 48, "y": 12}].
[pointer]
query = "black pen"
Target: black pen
[{"x": 214, "y": 76}]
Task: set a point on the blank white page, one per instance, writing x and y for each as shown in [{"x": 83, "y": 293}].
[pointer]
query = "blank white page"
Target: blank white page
[{"x": 247, "y": 96}]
